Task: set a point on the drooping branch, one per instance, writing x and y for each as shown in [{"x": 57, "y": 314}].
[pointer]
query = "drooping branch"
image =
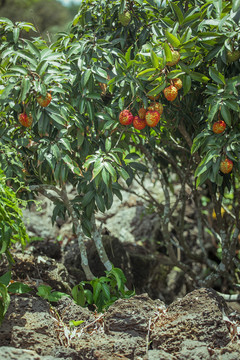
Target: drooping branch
[
  {"x": 80, "y": 235},
  {"x": 62, "y": 196},
  {"x": 97, "y": 238}
]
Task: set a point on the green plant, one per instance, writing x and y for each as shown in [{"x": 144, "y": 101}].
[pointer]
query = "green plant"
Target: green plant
[
  {"x": 100, "y": 292},
  {"x": 45, "y": 291},
  {"x": 103, "y": 292},
  {"x": 8, "y": 287},
  {"x": 12, "y": 228}
]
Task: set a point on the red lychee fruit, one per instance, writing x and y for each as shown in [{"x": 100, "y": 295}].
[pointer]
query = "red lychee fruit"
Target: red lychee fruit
[
  {"x": 142, "y": 113},
  {"x": 152, "y": 118},
  {"x": 44, "y": 101},
  {"x": 139, "y": 123},
  {"x": 25, "y": 119},
  {"x": 177, "y": 83},
  {"x": 219, "y": 127},
  {"x": 226, "y": 166},
  {"x": 170, "y": 92},
  {"x": 126, "y": 117}
]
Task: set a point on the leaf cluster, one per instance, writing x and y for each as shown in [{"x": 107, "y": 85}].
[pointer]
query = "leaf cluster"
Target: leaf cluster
[
  {"x": 102, "y": 292},
  {"x": 12, "y": 228}
]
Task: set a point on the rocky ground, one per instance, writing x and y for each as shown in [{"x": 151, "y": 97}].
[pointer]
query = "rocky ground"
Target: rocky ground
[
  {"x": 198, "y": 326},
  {"x": 167, "y": 319}
]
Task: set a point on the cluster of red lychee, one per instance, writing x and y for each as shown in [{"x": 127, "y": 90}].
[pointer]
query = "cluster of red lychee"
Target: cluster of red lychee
[
  {"x": 171, "y": 92},
  {"x": 27, "y": 119},
  {"x": 226, "y": 165},
  {"x": 149, "y": 116}
]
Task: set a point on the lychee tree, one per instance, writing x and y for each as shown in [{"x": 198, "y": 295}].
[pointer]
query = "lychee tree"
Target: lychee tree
[{"x": 117, "y": 58}]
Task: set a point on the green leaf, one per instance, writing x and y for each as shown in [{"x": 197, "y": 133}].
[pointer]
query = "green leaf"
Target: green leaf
[
  {"x": 80, "y": 137},
  {"x": 191, "y": 18},
  {"x": 56, "y": 152},
  {"x": 19, "y": 70},
  {"x": 119, "y": 276},
  {"x": 86, "y": 76},
  {"x": 4, "y": 301},
  {"x": 72, "y": 165},
  {"x": 187, "y": 83},
  {"x": 44, "y": 291},
  {"x": 76, "y": 323},
  {"x": 232, "y": 105},
  {"x": 89, "y": 296},
  {"x": 175, "y": 73},
  {"x": 199, "y": 77},
  {"x": 87, "y": 198},
  {"x": 78, "y": 294},
  {"x": 111, "y": 170},
  {"x": 5, "y": 279},
  {"x": 225, "y": 112},
  {"x": 90, "y": 110},
  {"x": 95, "y": 96},
  {"x": 56, "y": 296},
  {"x": 42, "y": 67},
  {"x": 155, "y": 91},
  {"x": 122, "y": 6},
  {"x": 202, "y": 178},
  {"x": 146, "y": 73},
  {"x": 16, "y": 32},
  {"x": 214, "y": 108},
  {"x": 128, "y": 54},
  {"x": 63, "y": 173},
  {"x": 106, "y": 291},
  {"x": 236, "y": 5},
  {"x": 26, "y": 85},
  {"x": 138, "y": 166},
  {"x": 6, "y": 91},
  {"x": 27, "y": 56},
  {"x": 97, "y": 287},
  {"x": 178, "y": 12},
  {"x": 206, "y": 163},
  {"x": 97, "y": 169},
  {"x": 33, "y": 49},
  {"x": 167, "y": 51},
  {"x": 106, "y": 176},
  {"x": 198, "y": 141},
  {"x": 154, "y": 59},
  {"x": 4, "y": 20},
  {"x": 100, "y": 203},
  {"x": 58, "y": 118},
  {"x": 86, "y": 226},
  {"x": 66, "y": 144},
  {"x": 90, "y": 209},
  {"x": 217, "y": 76},
  {"x": 173, "y": 40},
  {"x": 108, "y": 144},
  {"x": 19, "y": 288},
  {"x": 123, "y": 173}
]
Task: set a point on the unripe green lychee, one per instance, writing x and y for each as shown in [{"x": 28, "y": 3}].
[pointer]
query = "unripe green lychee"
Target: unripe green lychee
[
  {"x": 175, "y": 58},
  {"x": 233, "y": 55},
  {"x": 125, "y": 18}
]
